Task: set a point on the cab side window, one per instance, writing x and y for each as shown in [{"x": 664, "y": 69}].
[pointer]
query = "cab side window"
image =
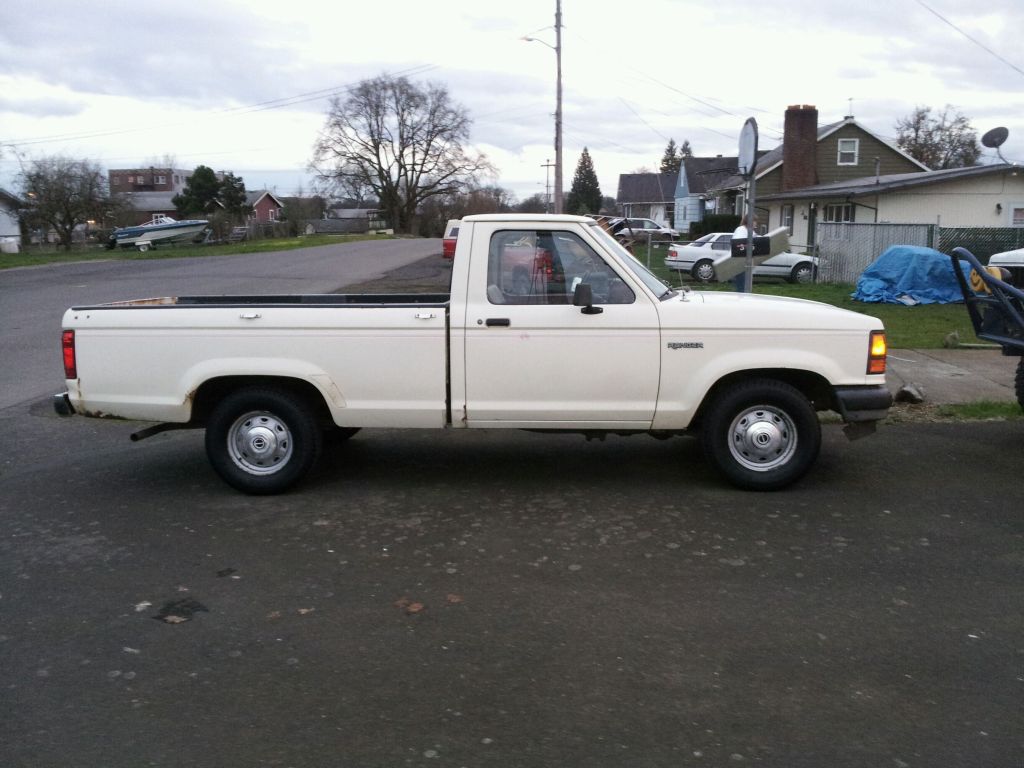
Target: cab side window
[{"x": 544, "y": 267}]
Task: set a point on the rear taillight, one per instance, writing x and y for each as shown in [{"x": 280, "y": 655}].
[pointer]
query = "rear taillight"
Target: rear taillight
[
  {"x": 876, "y": 352},
  {"x": 67, "y": 343}
]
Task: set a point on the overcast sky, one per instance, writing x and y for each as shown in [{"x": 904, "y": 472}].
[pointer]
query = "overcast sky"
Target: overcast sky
[{"x": 244, "y": 86}]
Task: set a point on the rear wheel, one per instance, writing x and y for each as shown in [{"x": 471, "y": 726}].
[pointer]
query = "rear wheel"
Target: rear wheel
[
  {"x": 761, "y": 434},
  {"x": 143, "y": 247},
  {"x": 703, "y": 271},
  {"x": 262, "y": 440}
]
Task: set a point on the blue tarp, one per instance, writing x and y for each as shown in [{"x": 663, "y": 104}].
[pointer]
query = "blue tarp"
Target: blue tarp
[{"x": 910, "y": 274}]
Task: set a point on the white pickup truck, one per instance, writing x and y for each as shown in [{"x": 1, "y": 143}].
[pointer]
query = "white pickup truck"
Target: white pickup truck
[{"x": 550, "y": 325}]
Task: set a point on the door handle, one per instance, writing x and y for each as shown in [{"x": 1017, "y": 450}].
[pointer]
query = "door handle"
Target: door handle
[{"x": 502, "y": 322}]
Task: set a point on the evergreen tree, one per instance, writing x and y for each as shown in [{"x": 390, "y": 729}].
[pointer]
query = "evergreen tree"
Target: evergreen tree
[
  {"x": 672, "y": 158},
  {"x": 232, "y": 194},
  {"x": 201, "y": 191},
  {"x": 585, "y": 194},
  {"x": 685, "y": 150}
]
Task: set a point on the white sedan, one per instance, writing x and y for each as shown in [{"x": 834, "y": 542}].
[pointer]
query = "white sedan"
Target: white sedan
[{"x": 700, "y": 258}]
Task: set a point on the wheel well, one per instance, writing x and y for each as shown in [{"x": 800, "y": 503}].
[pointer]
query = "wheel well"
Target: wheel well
[
  {"x": 813, "y": 386},
  {"x": 213, "y": 391}
]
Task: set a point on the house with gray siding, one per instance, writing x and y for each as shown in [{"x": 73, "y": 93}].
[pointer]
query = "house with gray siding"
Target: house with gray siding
[
  {"x": 697, "y": 176},
  {"x": 647, "y": 196},
  {"x": 812, "y": 155}
]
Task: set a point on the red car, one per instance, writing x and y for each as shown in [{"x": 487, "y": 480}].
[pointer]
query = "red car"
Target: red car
[{"x": 451, "y": 235}]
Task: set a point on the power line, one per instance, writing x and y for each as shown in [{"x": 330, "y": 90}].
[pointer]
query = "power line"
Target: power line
[{"x": 978, "y": 43}]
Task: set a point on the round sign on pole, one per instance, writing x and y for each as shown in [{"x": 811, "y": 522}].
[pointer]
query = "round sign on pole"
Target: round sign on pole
[{"x": 748, "y": 148}]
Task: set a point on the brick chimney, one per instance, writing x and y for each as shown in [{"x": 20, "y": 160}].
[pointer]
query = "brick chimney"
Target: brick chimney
[{"x": 800, "y": 147}]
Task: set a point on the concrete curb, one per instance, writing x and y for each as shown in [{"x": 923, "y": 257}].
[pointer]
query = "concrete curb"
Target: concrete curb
[{"x": 950, "y": 376}]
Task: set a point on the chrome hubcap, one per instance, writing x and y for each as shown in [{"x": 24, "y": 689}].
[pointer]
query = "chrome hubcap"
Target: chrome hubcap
[
  {"x": 259, "y": 443},
  {"x": 762, "y": 438},
  {"x": 705, "y": 272}
]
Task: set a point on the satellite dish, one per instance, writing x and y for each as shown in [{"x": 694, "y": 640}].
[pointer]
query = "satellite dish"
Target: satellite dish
[
  {"x": 995, "y": 138},
  {"x": 748, "y": 148}
]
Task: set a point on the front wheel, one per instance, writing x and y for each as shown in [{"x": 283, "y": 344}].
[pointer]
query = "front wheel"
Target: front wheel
[
  {"x": 762, "y": 434},
  {"x": 262, "y": 440},
  {"x": 802, "y": 273}
]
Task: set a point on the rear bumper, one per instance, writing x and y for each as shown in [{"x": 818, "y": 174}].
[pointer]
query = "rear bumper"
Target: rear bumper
[
  {"x": 860, "y": 404},
  {"x": 62, "y": 404}
]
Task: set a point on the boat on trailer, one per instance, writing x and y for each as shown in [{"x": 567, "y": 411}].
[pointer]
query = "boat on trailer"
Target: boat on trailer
[{"x": 159, "y": 229}]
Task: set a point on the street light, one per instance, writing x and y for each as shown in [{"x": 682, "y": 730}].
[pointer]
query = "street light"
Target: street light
[{"x": 557, "y": 48}]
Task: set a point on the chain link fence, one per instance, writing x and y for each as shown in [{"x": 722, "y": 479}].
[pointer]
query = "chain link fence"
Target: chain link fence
[
  {"x": 981, "y": 241},
  {"x": 846, "y": 250}
]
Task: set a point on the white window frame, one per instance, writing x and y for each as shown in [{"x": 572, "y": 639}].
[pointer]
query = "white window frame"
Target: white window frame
[
  {"x": 787, "y": 220},
  {"x": 841, "y": 209},
  {"x": 1016, "y": 215},
  {"x": 855, "y": 152}
]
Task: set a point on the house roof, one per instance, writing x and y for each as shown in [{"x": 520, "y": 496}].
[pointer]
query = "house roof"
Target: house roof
[
  {"x": 703, "y": 173},
  {"x": 772, "y": 159},
  {"x": 873, "y": 185},
  {"x": 254, "y": 196},
  {"x": 10, "y": 200},
  {"x": 647, "y": 187},
  {"x": 352, "y": 213}
]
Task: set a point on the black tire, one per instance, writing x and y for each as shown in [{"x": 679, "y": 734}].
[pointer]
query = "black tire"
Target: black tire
[
  {"x": 802, "y": 273},
  {"x": 1019, "y": 381},
  {"x": 262, "y": 440},
  {"x": 339, "y": 435},
  {"x": 703, "y": 271},
  {"x": 761, "y": 434}
]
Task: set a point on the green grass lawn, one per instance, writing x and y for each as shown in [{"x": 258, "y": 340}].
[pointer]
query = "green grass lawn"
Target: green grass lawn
[{"x": 922, "y": 327}]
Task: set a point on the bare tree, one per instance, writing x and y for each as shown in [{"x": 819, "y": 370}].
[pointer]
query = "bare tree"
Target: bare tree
[
  {"x": 63, "y": 193},
  {"x": 943, "y": 140},
  {"x": 399, "y": 142}
]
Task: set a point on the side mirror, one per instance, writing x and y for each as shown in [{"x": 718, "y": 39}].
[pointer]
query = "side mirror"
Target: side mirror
[{"x": 583, "y": 296}]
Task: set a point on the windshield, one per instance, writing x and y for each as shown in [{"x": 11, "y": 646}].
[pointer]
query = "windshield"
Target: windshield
[{"x": 656, "y": 285}]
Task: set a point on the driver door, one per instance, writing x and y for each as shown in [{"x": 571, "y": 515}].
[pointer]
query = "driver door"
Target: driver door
[{"x": 532, "y": 359}]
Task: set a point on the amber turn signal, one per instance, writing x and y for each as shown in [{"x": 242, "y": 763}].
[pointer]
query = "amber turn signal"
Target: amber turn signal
[{"x": 876, "y": 352}]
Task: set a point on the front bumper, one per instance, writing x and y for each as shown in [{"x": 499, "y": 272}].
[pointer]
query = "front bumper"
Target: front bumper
[
  {"x": 62, "y": 404},
  {"x": 860, "y": 404}
]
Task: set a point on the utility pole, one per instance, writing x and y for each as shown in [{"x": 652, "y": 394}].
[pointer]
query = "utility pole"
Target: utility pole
[
  {"x": 558, "y": 107},
  {"x": 547, "y": 166},
  {"x": 557, "y": 48}
]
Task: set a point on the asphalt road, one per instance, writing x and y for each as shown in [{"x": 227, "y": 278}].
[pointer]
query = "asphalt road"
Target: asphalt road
[{"x": 509, "y": 599}]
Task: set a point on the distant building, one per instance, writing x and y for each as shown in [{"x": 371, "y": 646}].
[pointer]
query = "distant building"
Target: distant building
[
  {"x": 131, "y": 180},
  {"x": 266, "y": 206},
  {"x": 648, "y": 196}
]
